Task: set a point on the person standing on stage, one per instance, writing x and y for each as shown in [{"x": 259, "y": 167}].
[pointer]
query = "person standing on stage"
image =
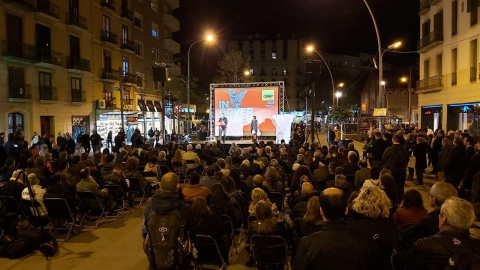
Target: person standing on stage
[
  {"x": 254, "y": 128},
  {"x": 223, "y": 122}
]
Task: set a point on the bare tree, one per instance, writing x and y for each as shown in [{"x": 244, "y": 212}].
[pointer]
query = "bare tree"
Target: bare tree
[{"x": 232, "y": 68}]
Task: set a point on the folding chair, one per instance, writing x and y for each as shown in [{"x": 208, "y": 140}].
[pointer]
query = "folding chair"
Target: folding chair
[
  {"x": 239, "y": 214},
  {"x": 278, "y": 199},
  {"x": 12, "y": 205},
  {"x": 269, "y": 252},
  {"x": 136, "y": 188},
  {"x": 208, "y": 252},
  {"x": 31, "y": 209},
  {"x": 92, "y": 205},
  {"x": 118, "y": 195},
  {"x": 59, "y": 212},
  {"x": 228, "y": 228}
]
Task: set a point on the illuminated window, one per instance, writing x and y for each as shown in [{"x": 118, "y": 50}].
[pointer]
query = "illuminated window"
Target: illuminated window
[{"x": 155, "y": 30}]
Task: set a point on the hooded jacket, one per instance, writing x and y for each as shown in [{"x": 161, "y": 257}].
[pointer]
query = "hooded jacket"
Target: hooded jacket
[{"x": 165, "y": 202}]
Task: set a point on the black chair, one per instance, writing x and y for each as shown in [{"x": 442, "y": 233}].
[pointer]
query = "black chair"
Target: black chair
[
  {"x": 119, "y": 195},
  {"x": 164, "y": 169},
  {"x": 61, "y": 216},
  {"x": 208, "y": 252},
  {"x": 269, "y": 252},
  {"x": 228, "y": 228},
  {"x": 12, "y": 205},
  {"x": 137, "y": 189},
  {"x": 35, "y": 212},
  {"x": 92, "y": 204},
  {"x": 239, "y": 213},
  {"x": 278, "y": 199}
]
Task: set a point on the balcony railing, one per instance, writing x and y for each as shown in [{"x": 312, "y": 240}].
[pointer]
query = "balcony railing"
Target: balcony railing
[
  {"x": 128, "y": 45},
  {"x": 25, "y": 4},
  {"x": 126, "y": 13},
  {"x": 110, "y": 103},
  {"x": 108, "y": 3},
  {"x": 77, "y": 20},
  {"x": 454, "y": 78},
  {"x": 424, "y": 6},
  {"x": 44, "y": 6},
  {"x": 78, "y": 96},
  {"x": 19, "y": 50},
  {"x": 47, "y": 92},
  {"x": 127, "y": 101},
  {"x": 473, "y": 74},
  {"x": 110, "y": 74},
  {"x": 132, "y": 78},
  {"x": 48, "y": 56},
  {"x": 109, "y": 37},
  {"x": 431, "y": 38},
  {"x": 78, "y": 63},
  {"x": 19, "y": 91},
  {"x": 432, "y": 83}
]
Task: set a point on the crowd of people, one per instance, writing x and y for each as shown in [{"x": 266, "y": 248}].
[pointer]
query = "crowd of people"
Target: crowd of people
[{"x": 335, "y": 208}]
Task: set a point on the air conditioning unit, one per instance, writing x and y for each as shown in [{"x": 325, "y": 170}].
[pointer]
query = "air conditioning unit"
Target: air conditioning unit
[{"x": 100, "y": 103}]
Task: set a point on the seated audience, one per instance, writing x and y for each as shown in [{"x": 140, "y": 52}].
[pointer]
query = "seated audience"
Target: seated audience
[
  {"x": 411, "y": 210},
  {"x": 195, "y": 190},
  {"x": 260, "y": 195},
  {"x": 300, "y": 208},
  {"x": 362, "y": 175},
  {"x": 312, "y": 220}
]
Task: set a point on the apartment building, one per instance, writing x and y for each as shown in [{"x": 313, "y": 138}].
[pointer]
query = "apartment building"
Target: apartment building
[
  {"x": 69, "y": 66},
  {"x": 283, "y": 59},
  {"x": 449, "y": 87}
]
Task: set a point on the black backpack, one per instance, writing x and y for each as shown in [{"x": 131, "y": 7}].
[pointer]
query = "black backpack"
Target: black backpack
[
  {"x": 460, "y": 258},
  {"x": 164, "y": 231},
  {"x": 400, "y": 156}
]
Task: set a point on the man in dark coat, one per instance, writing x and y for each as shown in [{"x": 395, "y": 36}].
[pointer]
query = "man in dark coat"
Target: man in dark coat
[
  {"x": 396, "y": 159},
  {"x": 335, "y": 246},
  {"x": 436, "y": 148},
  {"x": 69, "y": 145},
  {"x": 377, "y": 149},
  {"x": 456, "y": 163}
]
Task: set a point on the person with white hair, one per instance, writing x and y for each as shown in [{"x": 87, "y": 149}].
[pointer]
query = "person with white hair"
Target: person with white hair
[
  {"x": 233, "y": 148},
  {"x": 191, "y": 158},
  {"x": 452, "y": 246},
  {"x": 38, "y": 192}
]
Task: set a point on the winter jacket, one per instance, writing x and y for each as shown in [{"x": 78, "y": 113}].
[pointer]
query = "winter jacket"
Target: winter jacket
[
  {"x": 455, "y": 165},
  {"x": 420, "y": 153}
]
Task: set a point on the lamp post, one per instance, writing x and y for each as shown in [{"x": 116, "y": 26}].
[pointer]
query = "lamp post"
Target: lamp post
[
  {"x": 407, "y": 81},
  {"x": 209, "y": 38},
  {"x": 338, "y": 94},
  {"x": 312, "y": 49}
]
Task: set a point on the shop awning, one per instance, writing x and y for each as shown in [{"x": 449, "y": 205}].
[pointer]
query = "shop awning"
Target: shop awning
[
  {"x": 157, "y": 105},
  {"x": 397, "y": 116},
  {"x": 141, "y": 104},
  {"x": 150, "y": 106}
]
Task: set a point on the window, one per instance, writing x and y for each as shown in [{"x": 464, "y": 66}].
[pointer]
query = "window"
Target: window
[
  {"x": 155, "y": 30},
  {"x": 439, "y": 65},
  {"x": 473, "y": 11},
  {"x": 285, "y": 71},
  {"x": 473, "y": 60},
  {"x": 274, "y": 71},
  {"x": 45, "y": 86},
  {"x": 106, "y": 23},
  {"x": 274, "y": 56},
  {"x": 154, "y": 5},
  {"x": 16, "y": 82},
  {"x": 454, "y": 66},
  {"x": 251, "y": 72},
  {"x": 15, "y": 122},
  {"x": 138, "y": 48},
  {"x": 454, "y": 17},
  {"x": 155, "y": 55},
  {"x": 138, "y": 20},
  {"x": 426, "y": 69},
  {"x": 124, "y": 33},
  {"x": 125, "y": 66},
  {"x": 76, "y": 89}
]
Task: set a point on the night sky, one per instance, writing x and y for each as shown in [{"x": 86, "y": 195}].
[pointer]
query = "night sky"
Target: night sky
[{"x": 335, "y": 26}]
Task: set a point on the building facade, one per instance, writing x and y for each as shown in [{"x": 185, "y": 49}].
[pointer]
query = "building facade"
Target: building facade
[
  {"x": 283, "y": 59},
  {"x": 69, "y": 66},
  {"x": 449, "y": 87}
]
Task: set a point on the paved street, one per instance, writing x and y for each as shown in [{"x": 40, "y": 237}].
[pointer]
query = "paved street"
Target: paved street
[{"x": 118, "y": 244}]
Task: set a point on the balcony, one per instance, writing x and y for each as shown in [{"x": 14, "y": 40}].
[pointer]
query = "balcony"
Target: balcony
[
  {"x": 473, "y": 74},
  {"x": 109, "y": 37},
  {"x": 110, "y": 74},
  {"x": 47, "y": 93},
  {"x": 78, "y": 96},
  {"x": 49, "y": 57},
  {"x": 424, "y": 6},
  {"x": 454, "y": 78},
  {"x": 77, "y": 21},
  {"x": 23, "y": 4},
  {"x": 110, "y": 103},
  {"x": 171, "y": 45},
  {"x": 171, "y": 22},
  {"x": 434, "y": 2},
  {"x": 128, "y": 45},
  {"x": 173, "y": 4},
  {"x": 132, "y": 79},
  {"x": 19, "y": 51},
  {"x": 108, "y": 4},
  {"x": 47, "y": 8},
  {"x": 78, "y": 63},
  {"x": 19, "y": 92},
  {"x": 127, "y": 14},
  {"x": 431, "y": 40},
  {"x": 431, "y": 84},
  {"x": 127, "y": 101}
]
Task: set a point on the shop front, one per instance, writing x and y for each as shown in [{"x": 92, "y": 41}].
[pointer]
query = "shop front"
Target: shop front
[
  {"x": 432, "y": 116},
  {"x": 112, "y": 121},
  {"x": 464, "y": 116}
]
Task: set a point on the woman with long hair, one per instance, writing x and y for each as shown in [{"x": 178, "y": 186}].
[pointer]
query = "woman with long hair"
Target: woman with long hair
[
  {"x": 266, "y": 223},
  {"x": 411, "y": 209},
  {"x": 301, "y": 171},
  {"x": 370, "y": 217},
  {"x": 312, "y": 220},
  {"x": 270, "y": 180},
  {"x": 221, "y": 204},
  {"x": 259, "y": 195}
]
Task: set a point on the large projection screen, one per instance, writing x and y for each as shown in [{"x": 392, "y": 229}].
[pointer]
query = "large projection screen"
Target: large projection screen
[{"x": 240, "y": 105}]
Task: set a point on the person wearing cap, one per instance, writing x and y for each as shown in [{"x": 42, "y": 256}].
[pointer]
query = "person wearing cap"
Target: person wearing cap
[{"x": 428, "y": 226}]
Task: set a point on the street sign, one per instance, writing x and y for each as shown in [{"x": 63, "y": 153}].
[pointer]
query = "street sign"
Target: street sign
[
  {"x": 380, "y": 112},
  {"x": 116, "y": 88}
]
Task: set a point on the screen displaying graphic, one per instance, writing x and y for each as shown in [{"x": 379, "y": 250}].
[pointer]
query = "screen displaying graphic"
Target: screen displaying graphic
[{"x": 240, "y": 105}]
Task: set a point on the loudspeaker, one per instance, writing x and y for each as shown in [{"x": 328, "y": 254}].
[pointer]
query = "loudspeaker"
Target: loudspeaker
[{"x": 159, "y": 74}]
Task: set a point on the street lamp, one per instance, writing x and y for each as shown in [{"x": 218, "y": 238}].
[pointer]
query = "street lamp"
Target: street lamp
[
  {"x": 247, "y": 73},
  {"x": 311, "y": 49},
  {"x": 338, "y": 94},
  {"x": 208, "y": 38},
  {"x": 407, "y": 81}
]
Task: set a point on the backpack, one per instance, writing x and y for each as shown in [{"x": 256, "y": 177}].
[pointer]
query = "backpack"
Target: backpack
[
  {"x": 17, "y": 248},
  {"x": 460, "y": 259},
  {"x": 41, "y": 240},
  {"x": 164, "y": 231},
  {"x": 400, "y": 156}
]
